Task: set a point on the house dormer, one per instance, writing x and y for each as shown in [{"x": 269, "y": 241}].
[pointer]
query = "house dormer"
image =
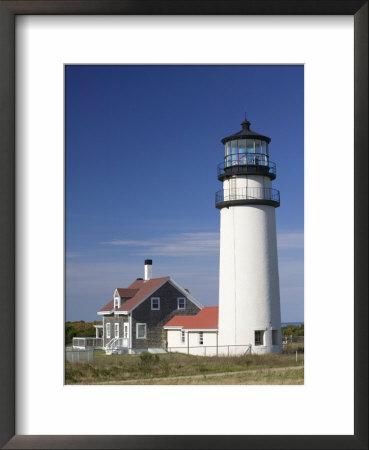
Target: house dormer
[{"x": 117, "y": 299}]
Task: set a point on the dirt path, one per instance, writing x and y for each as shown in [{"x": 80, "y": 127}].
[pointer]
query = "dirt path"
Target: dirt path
[{"x": 207, "y": 375}]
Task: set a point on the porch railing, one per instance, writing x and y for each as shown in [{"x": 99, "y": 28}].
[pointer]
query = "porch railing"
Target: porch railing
[
  {"x": 87, "y": 342},
  {"x": 115, "y": 344}
]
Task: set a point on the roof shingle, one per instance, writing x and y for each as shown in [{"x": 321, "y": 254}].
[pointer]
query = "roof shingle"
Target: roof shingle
[
  {"x": 207, "y": 318},
  {"x": 123, "y": 292},
  {"x": 136, "y": 292}
]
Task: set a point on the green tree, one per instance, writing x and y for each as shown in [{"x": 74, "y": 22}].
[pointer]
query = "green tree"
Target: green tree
[{"x": 79, "y": 329}]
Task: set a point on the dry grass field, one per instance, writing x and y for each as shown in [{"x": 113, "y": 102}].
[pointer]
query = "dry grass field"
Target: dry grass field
[
  {"x": 178, "y": 368},
  {"x": 281, "y": 376}
]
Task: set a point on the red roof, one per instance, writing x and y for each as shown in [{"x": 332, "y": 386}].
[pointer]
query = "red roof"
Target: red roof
[
  {"x": 123, "y": 292},
  {"x": 108, "y": 307},
  {"x": 207, "y": 318},
  {"x": 140, "y": 290}
]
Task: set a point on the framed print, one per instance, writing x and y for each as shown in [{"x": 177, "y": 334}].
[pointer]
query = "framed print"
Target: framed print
[{"x": 37, "y": 40}]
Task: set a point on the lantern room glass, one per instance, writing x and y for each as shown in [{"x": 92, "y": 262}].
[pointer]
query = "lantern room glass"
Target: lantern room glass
[
  {"x": 234, "y": 152},
  {"x": 246, "y": 152}
]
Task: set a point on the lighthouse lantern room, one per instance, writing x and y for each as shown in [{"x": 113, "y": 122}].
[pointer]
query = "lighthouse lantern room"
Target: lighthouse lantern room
[{"x": 249, "y": 302}]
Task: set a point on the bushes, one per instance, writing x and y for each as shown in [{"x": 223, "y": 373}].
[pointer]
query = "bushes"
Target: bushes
[
  {"x": 293, "y": 348},
  {"x": 293, "y": 330},
  {"x": 79, "y": 329},
  {"x": 147, "y": 361}
]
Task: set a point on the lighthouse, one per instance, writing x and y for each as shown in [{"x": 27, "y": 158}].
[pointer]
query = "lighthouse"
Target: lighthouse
[{"x": 249, "y": 300}]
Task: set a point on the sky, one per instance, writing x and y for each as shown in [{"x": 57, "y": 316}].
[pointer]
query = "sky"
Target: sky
[{"x": 142, "y": 149}]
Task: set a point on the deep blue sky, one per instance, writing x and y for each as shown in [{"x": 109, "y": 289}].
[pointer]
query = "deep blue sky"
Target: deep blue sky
[{"x": 142, "y": 146}]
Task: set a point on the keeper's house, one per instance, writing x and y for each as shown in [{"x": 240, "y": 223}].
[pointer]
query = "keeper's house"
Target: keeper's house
[{"x": 133, "y": 320}]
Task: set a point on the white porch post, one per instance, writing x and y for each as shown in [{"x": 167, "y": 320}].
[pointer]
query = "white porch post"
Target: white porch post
[
  {"x": 130, "y": 333},
  {"x": 97, "y": 332}
]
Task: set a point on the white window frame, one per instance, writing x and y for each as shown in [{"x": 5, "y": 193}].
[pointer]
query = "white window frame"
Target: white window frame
[
  {"x": 183, "y": 336},
  {"x": 261, "y": 337},
  {"x": 108, "y": 330},
  {"x": 137, "y": 325},
  {"x": 184, "y": 301},
  {"x": 116, "y": 302},
  {"x": 158, "y": 299},
  {"x": 201, "y": 338},
  {"x": 116, "y": 328}
]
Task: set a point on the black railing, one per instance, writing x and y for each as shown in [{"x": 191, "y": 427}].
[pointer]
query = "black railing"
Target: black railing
[
  {"x": 247, "y": 163},
  {"x": 248, "y": 195}
]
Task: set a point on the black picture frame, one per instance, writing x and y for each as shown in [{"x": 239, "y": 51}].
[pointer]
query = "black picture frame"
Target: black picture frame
[{"x": 8, "y": 11}]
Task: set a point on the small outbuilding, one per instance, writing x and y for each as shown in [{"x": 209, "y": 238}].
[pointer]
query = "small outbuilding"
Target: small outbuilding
[{"x": 195, "y": 335}]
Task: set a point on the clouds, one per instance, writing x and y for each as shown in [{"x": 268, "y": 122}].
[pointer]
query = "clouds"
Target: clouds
[
  {"x": 197, "y": 243},
  {"x": 192, "y": 259},
  {"x": 177, "y": 245}
]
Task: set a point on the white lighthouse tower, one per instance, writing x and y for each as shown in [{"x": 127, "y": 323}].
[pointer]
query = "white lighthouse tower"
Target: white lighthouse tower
[{"x": 249, "y": 304}]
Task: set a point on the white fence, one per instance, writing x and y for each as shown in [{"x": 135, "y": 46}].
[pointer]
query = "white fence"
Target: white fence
[
  {"x": 77, "y": 355},
  {"x": 292, "y": 339},
  {"x": 214, "y": 350},
  {"x": 235, "y": 350}
]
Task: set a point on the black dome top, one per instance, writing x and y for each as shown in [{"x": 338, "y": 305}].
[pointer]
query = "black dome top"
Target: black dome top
[{"x": 246, "y": 133}]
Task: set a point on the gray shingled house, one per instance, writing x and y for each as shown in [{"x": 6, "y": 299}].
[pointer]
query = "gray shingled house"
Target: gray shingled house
[{"x": 133, "y": 320}]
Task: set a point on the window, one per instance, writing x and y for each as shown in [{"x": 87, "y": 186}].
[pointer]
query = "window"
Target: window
[
  {"x": 155, "y": 303},
  {"x": 250, "y": 146},
  {"x": 257, "y": 146},
  {"x": 108, "y": 330},
  {"x": 228, "y": 158},
  {"x": 183, "y": 337},
  {"x": 234, "y": 151},
  {"x": 264, "y": 147},
  {"x": 242, "y": 151},
  {"x": 274, "y": 337},
  {"x": 181, "y": 303},
  {"x": 141, "y": 330},
  {"x": 201, "y": 338},
  {"x": 116, "y": 330},
  {"x": 259, "y": 337},
  {"x": 116, "y": 302}
]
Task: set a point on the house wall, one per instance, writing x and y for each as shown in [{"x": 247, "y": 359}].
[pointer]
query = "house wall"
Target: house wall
[
  {"x": 155, "y": 320},
  {"x": 112, "y": 319},
  {"x": 191, "y": 344}
]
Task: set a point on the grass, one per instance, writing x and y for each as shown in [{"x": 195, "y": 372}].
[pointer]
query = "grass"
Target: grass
[
  {"x": 140, "y": 369},
  {"x": 282, "y": 377}
]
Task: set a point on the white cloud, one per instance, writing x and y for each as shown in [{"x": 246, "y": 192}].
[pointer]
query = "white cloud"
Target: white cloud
[
  {"x": 90, "y": 282},
  {"x": 183, "y": 244},
  {"x": 200, "y": 243},
  {"x": 70, "y": 255}
]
